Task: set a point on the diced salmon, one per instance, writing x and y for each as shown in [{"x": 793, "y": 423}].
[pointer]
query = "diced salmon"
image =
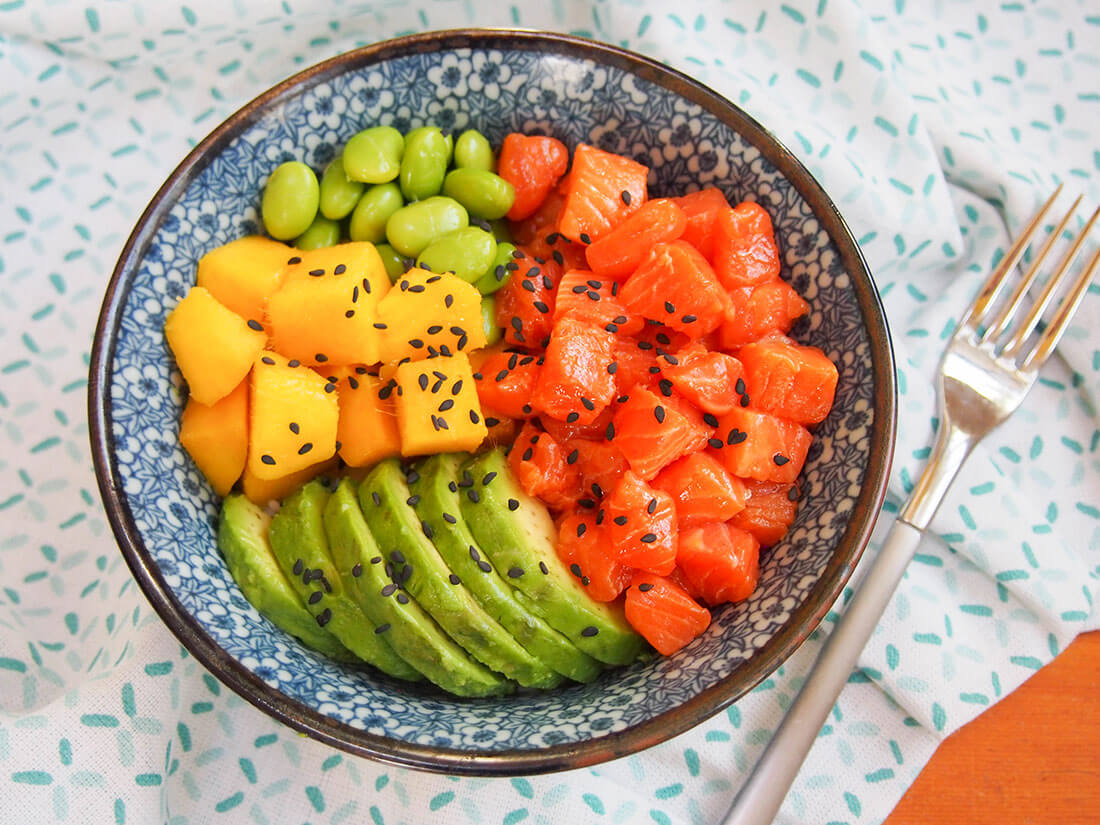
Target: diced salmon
[
  {"x": 664, "y": 613},
  {"x": 702, "y": 488},
  {"x": 721, "y": 562},
  {"x": 788, "y": 379}
]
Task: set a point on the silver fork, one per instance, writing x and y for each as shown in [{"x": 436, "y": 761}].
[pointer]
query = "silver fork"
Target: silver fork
[{"x": 988, "y": 367}]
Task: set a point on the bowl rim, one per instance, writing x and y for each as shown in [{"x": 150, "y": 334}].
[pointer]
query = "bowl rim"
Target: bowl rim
[{"x": 305, "y": 719}]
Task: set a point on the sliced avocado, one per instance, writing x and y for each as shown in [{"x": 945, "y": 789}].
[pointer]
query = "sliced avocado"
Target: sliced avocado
[
  {"x": 242, "y": 538},
  {"x": 297, "y": 536},
  {"x": 410, "y": 631},
  {"x": 406, "y": 543},
  {"x": 517, "y": 533},
  {"x": 437, "y": 493}
]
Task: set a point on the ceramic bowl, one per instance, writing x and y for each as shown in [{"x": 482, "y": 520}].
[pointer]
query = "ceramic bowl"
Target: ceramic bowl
[{"x": 164, "y": 514}]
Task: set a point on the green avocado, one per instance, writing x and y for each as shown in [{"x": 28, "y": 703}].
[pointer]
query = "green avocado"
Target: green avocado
[
  {"x": 406, "y": 543},
  {"x": 410, "y": 631},
  {"x": 517, "y": 533},
  {"x": 242, "y": 539},
  {"x": 297, "y": 536},
  {"x": 437, "y": 502}
]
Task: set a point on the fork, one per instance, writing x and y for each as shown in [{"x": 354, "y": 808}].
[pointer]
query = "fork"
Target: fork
[{"x": 988, "y": 367}]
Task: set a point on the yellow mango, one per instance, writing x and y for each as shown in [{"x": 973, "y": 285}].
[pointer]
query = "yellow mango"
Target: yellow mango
[
  {"x": 326, "y": 314},
  {"x": 367, "y": 430},
  {"x": 262, "y": 491},
  {"x": 428, "y": 314},
  {"x": 244, "y": 273},
  {"x": 293, "y": 416},
  {"x": 437, "y": 406},
  {"x": 216, "y": 437},
  {"x": 214, "y": 346}
]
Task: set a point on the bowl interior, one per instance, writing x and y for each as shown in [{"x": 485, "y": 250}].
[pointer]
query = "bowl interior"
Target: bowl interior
[{"x": 164, "y": 513}]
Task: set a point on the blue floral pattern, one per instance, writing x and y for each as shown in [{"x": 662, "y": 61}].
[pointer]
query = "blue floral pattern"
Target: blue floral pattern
[{"x": 497, "y": 90}]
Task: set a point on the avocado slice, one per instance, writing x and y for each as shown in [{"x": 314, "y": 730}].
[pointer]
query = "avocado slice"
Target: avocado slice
[
  {"x": 410, "y": 631},
  {"x": 438, "y": 504},
  {"x": 297, "y": 536},
  {"x": 517, "y": 533},
  {"x": 242, "y": 539},
  {"x": 406, "y": 543}
]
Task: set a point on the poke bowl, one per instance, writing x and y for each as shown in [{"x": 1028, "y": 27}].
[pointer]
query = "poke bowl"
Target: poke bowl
[{"x": 165, "y": 515}]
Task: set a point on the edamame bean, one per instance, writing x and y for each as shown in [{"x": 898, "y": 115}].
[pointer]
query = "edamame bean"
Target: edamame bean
[
  {"x": 424, "y": 163},
  {"x": 321, "y": 233},
  {"x": 473, "y": 151},
  {"x": 493, "y": 333},
  {"x": 466, "y": 252},
  {"x": 394, "y": 263},
  {"x": 412, "y": 228},
  {"x": 374, "y": 155},
  {"x": 498, "y": 274},
  {"x": 483, "y": 193},
  {"x": 290, "y": 200},
  {"x": 368, "y": 221},
  {"x": 339, "y": 193}
]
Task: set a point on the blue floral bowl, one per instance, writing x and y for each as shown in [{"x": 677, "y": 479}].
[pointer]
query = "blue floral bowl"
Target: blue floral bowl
[{"x": 164, "y": 514}]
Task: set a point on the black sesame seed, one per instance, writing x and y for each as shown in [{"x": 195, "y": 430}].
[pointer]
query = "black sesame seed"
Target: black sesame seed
[
  {"x": 689, "y": 319},
  {"x": 446, "y": 405},
  {"x": 401, "y": 597},
  {"x": 597, "y": 490},
  {"x": 542, "y": 307},
  {"x": 294, "y": 260},
  {"x": 268, "y": 361},
  {"x": 736, "y": 437},
  {"x": 366, "y": 286},
  {"x": 645, "y": 587},
  {"x": 389, "y": 589},
  {"x": 376, "y": 560},
  {"x": 305, "y": 448},
  {"x": 739, "y": 387},
  {"x": 780, "y": 459},
  {"x": 613, "y": 367},
  {"x": 610, "y": 433},
  {"x": 620, "y": 520},
  {"x": 474, "y": 554},
  {"x": 515, "y": 572},
  {"x": 526, "y": 409},
  {"x": 433, "y": 279},
  {"x": 293, "y": 362},
  {"x": 447, "y": 517},
  {"x": 330, "y": 387},
  {"x": 416, "y": 343},
  {"x": 256, "y": 325},
  {"x": 484, "y": 567},
  {"x": 592, "y": 295},
  {"x": 473, "y": 496},
  {"x": 581, "y": 529},
  {"x": 377, "y": 499},
  {"x": 412, "y": 501},
  {"x": 316, "y": 272},
  {"x": 744, "y": 400},
  {"x": 527, "y": 454},
  {"x": 651, "y": 508},
  {"x": 659, "y": 414},
  {"x": 488, "y": 478},
  {"x": 559, "y": 259},
  {"x": 716, "y": 443},
  {"x": 572, "y": 457},
  {"x": 448, "y": 300},
  {"x": 435, "y": 329},
  {"x": 625, "y": 196},
  {"x": 611, "y": 328},
  {"x": 648, "y": 538},
  {"x": 580, "y": 289},
  {"x": 294, "y": 428},
  {"x": 589, "y": 631},
  {"x": 452, "y": 486},
  {"x": 321, "y": 357},
  {"x": 586, "y": 581},
  {"x": 298, "y": 567},
  {"x": 573, "y": 416},
  {"x": 585, "y": 238},
  {"x": 513, "y": 504},
  {"x": 417, "y": 288},
  {"x": 663, "y": 339},
  {"x": 529, "y": 285},
  {"x": 382, "y": 628},
  {"x": 670, "y": 308},
  {"x": 339, "y": 270},
  {"x": 672, "y": 359},
  {"x": 792, "y": 493},
  {"x": 710, "y": 420},
  {"x": 645, "y": 345},
  {"x": 517, "y": 324},
  {"x": 316, "y": 596},
  {"x": 586, "y": 503},
  {"x": 266, "y": 459},
  {"x": 422, "y": 380},
  {"x": 474, "y": 417},
  {"x": 385, "y": 392},
  {"x": 575, "y": 569},
  {"x": 379, "y": 326},
  {"x": 454, "y": 579},
  {"x": 324, "y": 617},
  {"x": 666, "y": 387}
]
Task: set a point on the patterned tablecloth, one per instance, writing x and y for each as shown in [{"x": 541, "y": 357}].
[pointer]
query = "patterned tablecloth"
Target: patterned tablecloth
[{"x": 934, "y": 125}]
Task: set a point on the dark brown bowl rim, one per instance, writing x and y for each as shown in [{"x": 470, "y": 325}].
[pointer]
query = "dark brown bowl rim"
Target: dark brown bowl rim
[{"x": 300, "y": 716}]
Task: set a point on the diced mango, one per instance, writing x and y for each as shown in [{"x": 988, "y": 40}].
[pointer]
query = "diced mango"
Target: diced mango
[
  {"x": 216, "y": 437},
  {"x": 293, "y": 418},
  {"x": 428, "y": 314},
  {"x": 214, "y": 346},
  {"x": 367, "y": 431},
  {"x": 355, "y": 260},
  {"x": 437, "y": 406},
  {"x": 244, "y": 273},
  {"x": 263, "y": 491}
]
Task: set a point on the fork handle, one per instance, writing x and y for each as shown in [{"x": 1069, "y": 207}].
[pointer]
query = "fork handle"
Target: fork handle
[{"x": 763, "y": 792}]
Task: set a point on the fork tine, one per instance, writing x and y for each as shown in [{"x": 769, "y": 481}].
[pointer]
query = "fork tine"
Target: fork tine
[
  {"x": 1003, "y": 318},
  {"x": 991, "y": 289},
  {"x": 1053, "y": 333},
  {"x": 1015, "y": 344}
]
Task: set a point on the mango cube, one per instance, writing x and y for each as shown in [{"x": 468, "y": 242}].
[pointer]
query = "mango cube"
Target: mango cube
[
  {"x": 293, "y": 418},
  {"x": 428, "y": 314},
  {"x": 437, "y": 406},
  {"x": 367, "y": 431},
  {"x": 216, "y": 437},
  {"x": 244, "y": 273},
  {"x": 263, "y": 491},
  {"x": 214, "y": 346},
  {"x": 327, "y": 315}
]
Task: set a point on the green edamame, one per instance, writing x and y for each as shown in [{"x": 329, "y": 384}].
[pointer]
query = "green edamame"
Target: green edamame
[
  {"x": 374, "y": 155},
  {"x": 321, "y": 233},
  {"x": 498, "y": 273},
  {"x": 368, "y": 221},
  {"x": 473, "y": 151},
  {"x": 493, "y": 333},
  {"x": 339, "y": 193},
  {"x": 466, "y": 252},
  {"x": 484, "y": 194},
  {"x": 394, "y": 263},
  {"x": 412, "y": 228},
  {"x": 424, "y": 163},
  {"x": 290, "y": 200}
]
